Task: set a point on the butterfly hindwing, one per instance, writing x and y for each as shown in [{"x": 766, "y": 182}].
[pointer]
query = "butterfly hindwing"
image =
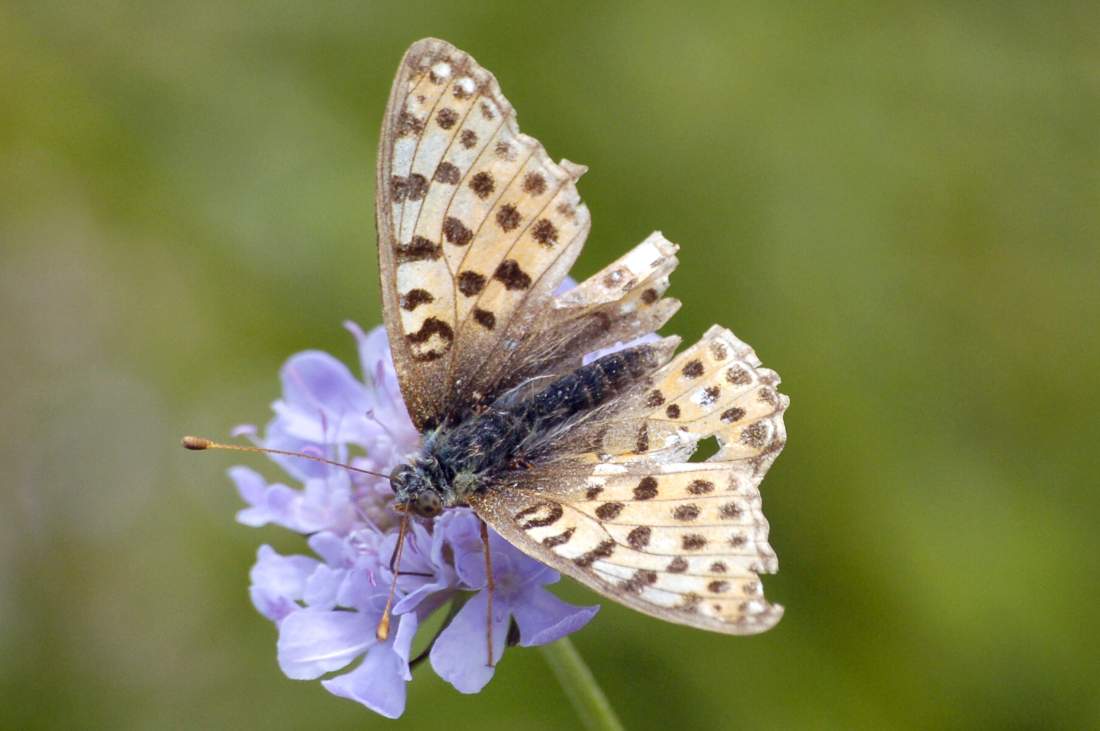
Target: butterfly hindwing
[
  {"x": 684, "y": 542},
  {"x": 716, "y": 388}
]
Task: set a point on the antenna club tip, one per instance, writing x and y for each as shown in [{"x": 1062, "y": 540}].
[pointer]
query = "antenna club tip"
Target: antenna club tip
[
  {"x": 196, "y": 443},
  {"x": 383, "y": 629}
]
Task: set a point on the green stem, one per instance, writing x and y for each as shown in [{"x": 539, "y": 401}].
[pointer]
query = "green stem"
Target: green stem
[{"x": 580, "y": 686}]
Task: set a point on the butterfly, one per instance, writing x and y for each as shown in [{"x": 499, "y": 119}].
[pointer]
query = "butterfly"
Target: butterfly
[{"x": 581, "y": 463}]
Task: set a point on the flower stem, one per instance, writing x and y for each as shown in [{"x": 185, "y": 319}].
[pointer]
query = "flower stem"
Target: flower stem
[{"x": 580, "y": 686}]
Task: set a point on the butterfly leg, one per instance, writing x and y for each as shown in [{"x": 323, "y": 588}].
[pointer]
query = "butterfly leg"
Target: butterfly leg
[
  {"x": 393, "y": 565},
  {"x": 382, "y": 631},
  {"x": 490, "y": 586}
]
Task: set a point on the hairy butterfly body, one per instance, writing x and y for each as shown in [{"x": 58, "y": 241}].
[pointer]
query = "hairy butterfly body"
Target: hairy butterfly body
[{"x": 582, "y": 466}]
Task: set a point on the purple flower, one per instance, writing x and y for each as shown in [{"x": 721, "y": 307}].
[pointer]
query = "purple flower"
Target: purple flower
[
  {"x": 540, "y": 616},
  {"x": 327, "y": 606}
]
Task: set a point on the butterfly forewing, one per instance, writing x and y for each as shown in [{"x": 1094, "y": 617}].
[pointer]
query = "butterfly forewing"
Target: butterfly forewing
[{"x": 476, "y": 226}]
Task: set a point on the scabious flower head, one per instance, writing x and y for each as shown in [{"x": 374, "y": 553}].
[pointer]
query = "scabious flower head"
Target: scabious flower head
[{"x": 327, "y": 605}]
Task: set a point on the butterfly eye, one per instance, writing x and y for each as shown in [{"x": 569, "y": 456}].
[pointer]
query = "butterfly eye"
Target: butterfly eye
[
  {"x": 400, "y": 478},
  {"x": 428, "y": 504}
]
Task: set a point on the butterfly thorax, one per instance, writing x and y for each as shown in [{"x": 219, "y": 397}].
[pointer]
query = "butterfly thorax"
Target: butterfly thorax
[{"x": 480, "y": 451}]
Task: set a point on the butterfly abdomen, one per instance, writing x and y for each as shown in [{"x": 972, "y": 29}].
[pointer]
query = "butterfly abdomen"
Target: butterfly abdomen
[
  {"x": 493, "y": 441},
  {"x": 587, "y": 388}
]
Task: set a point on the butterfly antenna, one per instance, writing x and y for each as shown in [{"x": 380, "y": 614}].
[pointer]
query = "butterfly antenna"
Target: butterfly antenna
[
  {"x": 383, "y": 629},
  {"x": 200, "y": 444}
]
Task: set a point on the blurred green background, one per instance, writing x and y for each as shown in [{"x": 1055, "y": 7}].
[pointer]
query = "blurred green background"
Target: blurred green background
[{"x": 897, "y": 205}]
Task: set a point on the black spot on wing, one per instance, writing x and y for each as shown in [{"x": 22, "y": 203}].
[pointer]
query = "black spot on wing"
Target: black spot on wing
[
  {"x": 693, "y": 369},
  {"x": 511, "y": 275},
  {"x": 470, "y": 283},
  {"x": 482, "y": 184},
  {"x": 693, "y": 541},
  {"x": 534, "y": 184},
  {"x": 545, "y": 233},
  {"x": 609, "y": 511},
  {"x": 677, "y": 565},
  {"x": 646, "y": 489},
  {"x": 447, "y": 173},
  {"x": 433, "y": 326},
  {"x": 641, "y": 579},
  {"x": 558, "y": 540},
  {"x": 552, "y": 512},
  {"x": 446, "y": 117},
  {"x": 419, "y": 249},
  {"x": 732, "y": 414},
  {"x": 638, "y": 538},
  {"x": 730, "y": 511},
  {"x": 686, "y": 513},
  {"x": 416, "y": 297},
  {"x": 755, "y": 435},
  {"x": 485, "y": 318},
  {"x": 408, "y": 125},
  {"x": 603, "y": 550},
  {"x": 508, "y": 217},
  {"x": 700, "y": 487},
  {"x": 738, "y": 376},
  {"x": 456, "y": 232}
]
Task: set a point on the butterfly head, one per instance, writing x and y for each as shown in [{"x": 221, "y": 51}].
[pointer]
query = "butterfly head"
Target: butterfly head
[{"x": 415, "y": 491}]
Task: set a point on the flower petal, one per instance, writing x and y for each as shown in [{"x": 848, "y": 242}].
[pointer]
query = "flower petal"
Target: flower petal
[
  {"x": 315, "y": 381},
  {"x": 402, "y": 641},
  {"x": 250, "y": 484},
  {"x": 374, "y": 350},
  {"x": 278, "y": 582},
  {"x": 378, "y": 683},
  {"x": 543, "y": 618},
  {"x": 332, "y": 548},
  {"x": 322, "y": 402},
  {"x": 459, "y": 653},
  {"x": 312, "y": 643},
  {"x": 277, "y": 436},
  {"x": 460, "y": 529},
  {"x": 385, "y": 392},
  {"x": 363, "y": 589},
  {"x": 322, "y": 587},
  {"x": 326, "y": 504}
]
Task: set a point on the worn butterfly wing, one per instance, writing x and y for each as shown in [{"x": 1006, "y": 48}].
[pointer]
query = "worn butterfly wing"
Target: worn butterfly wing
[
  {"x": 476, "y": 226},
  {"x": 685, "y": 542}
]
